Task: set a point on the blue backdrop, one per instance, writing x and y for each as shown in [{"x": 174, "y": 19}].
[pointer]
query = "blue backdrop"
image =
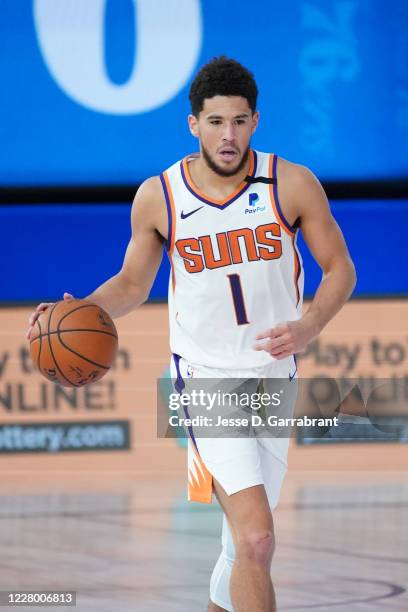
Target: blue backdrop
[
  {"x": 96, "y": 91},
  {"x": 47, "y": 250}
]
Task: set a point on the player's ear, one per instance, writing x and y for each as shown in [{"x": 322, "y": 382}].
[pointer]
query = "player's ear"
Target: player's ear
[
  {"x": 193, "y": 125},
  {"x": 255, "y": 121}
]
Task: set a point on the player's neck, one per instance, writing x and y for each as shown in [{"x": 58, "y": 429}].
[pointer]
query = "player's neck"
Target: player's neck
[{"x": 213, "y": 184}]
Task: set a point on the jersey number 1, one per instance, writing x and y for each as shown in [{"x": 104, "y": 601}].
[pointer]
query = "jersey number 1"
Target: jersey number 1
[{"x": 238, "y": 299}]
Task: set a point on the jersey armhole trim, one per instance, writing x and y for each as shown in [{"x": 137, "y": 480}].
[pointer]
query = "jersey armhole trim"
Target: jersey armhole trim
[
  {"x": 170, "y": 212},
  {"x": 273, "y": 191},
  {"x": 298, "y": 267}
]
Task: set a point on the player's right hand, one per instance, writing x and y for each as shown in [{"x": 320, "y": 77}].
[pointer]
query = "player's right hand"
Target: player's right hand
[{"x": 40, "y": 309}]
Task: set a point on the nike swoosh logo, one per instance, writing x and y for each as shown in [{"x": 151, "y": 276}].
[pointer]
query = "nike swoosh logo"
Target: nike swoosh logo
[{"x": 185, "y": 215}]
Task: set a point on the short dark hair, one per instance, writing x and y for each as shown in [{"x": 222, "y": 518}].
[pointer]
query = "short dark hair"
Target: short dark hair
[{"x": 222, "y": 76}]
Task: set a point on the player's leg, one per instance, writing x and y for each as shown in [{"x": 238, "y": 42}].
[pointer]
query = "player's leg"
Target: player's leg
[
  {"x": 274, "y": 471},
  {"x": 220, "y": 578},
  {"x": 212, "y": 607},
  {"x": 272, "y": 453},
  {"x": 251, "y": 523},
  {"x": 235, "y": 464}
]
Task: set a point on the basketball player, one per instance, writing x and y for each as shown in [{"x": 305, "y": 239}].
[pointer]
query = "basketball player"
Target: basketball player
[{"x": 229, "y": 217}]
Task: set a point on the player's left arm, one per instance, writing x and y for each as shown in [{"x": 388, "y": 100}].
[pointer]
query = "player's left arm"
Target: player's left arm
[{"x": 304, "y": 198}]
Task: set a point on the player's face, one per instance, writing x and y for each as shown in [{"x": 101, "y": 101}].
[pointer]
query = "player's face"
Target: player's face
[{"x": 224, "y": 128}]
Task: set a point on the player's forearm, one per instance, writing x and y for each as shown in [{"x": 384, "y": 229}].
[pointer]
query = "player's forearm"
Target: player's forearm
[
  {"x": 334, "y": 290},
  {"x": 118, "y": 296}
]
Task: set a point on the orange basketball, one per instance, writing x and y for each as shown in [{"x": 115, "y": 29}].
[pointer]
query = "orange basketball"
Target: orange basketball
[{"x": 73, "y": 343}]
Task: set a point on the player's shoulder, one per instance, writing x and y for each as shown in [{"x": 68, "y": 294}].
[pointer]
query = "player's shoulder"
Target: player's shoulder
[
  {"x": 295, "y": 174},
  {"x": 149, "y": 200},
  {"x": 150, "y": 188},
  {"x": 299, "y": 188}
]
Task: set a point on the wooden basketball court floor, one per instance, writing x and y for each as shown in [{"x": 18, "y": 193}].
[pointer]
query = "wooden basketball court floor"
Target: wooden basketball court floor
[{"x": 135, "y": 544}]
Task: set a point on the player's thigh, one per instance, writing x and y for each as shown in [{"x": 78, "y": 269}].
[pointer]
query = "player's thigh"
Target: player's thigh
[{"x": 247, "y": 511}]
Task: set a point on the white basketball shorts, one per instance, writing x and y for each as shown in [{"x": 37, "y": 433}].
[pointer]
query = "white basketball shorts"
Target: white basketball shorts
[{"x": 235, "y": 462}]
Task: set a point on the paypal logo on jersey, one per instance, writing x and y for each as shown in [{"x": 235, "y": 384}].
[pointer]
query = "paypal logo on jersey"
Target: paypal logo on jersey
[{"x": 253, "y": 199}]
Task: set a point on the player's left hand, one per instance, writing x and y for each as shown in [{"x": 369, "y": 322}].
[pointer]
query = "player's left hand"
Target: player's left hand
[{"x": 285, "y": 339}]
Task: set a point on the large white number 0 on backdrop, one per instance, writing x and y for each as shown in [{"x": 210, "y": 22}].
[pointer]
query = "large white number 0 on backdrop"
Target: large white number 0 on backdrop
[{"x": 168, "y": 41}]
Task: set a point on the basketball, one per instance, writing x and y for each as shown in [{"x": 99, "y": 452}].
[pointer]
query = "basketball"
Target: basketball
[{"x": 73, "y": 343}]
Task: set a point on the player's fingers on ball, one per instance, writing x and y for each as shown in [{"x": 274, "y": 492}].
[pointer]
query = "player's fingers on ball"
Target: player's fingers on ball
[
  {"x": 31, "y": 318},
  {"x": 68, "y": 296},
  {"x": 43, "y": 306}
]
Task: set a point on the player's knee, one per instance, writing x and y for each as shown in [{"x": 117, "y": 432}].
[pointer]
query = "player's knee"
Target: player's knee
[{"x": 258, "y": 546}]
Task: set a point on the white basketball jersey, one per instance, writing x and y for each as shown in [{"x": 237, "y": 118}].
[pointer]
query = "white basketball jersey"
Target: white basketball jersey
[{"x": 236, "y": 270}]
